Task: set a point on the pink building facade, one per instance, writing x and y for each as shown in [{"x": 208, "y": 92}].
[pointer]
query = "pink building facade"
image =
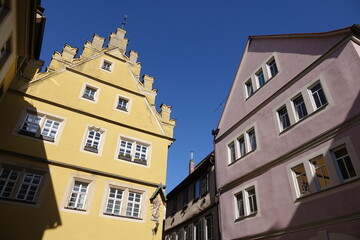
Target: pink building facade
[{"x": 288, "y": 142}]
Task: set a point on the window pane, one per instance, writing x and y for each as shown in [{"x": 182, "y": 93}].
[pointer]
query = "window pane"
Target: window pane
[
  {"x": 300, "y": 107},
  {"x": 344, "y": 163},
  {"x": 232, "y": 156},
  {"x": 240, "y": 205},
  {"x": 318, "y": 95},
  {"x": 273, "y": 68},
  {"x": 300, "y": 175},
  {"x": 242, "y": 146},
  {"x": 284, "y": 118},
  {"x": 249, "y": 88},
  {"x": 252, "y": 200},
  {"x": 322, "y": 174},
  {"x": 252, "y": 139},
  {"x": 260, "y": 77}
]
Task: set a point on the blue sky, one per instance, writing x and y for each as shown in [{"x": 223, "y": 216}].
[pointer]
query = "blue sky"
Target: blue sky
[{"x": 192, "y": 48}]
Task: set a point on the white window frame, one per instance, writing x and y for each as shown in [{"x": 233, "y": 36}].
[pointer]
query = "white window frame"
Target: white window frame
[
  {"x": 21, "y": 182},
  {"x": 268, "y": 67},
  {"x": 96, "y": 95},
  {"x": 248, "y": 147},
  {"x": 134, "y": 152},
  {"x": 331, "y": 166},
  {"x": 108, "y": 70},
  {"x": 90, "y": 148},
  {"x": 315, "y": 107},
  {"x": 308, "y": 102},
  {"x": 244, "y": 190},
  {"x": 53, "y": 133},
  {"x": 231, "y": 152},
  {"x": 335, "y": 160},
  {"x": 128, "y": 107},
  {"x": 246, "y": 86},
  {"x": 126, "y": 189},
  {"x": 258, "y": 85},
  {"x": 78, "y": 195},
  {"x": 295, "y": 108},
  {"x": 279, "y": 118},
  {"x": 115, "y": 200},
  {"x": 134, "y": 203},
  {"x": 91, "y": 181}
]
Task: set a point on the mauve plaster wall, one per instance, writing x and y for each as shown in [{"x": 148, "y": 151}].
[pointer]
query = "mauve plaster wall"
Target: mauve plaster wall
[{"x": 277, "y": 208}]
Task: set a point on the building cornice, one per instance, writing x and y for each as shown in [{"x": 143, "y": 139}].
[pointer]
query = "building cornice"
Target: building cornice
[{"x": 80, "y": 168}]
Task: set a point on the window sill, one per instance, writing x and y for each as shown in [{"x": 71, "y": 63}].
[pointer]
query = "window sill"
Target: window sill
[
  {"x": 121, "y": 216},
  {"x": 76, "y": 209},
  {"x": 326, "y": 189},
  {"x": 125, "y": 157},
  {"x": 302, "y": 119},
  {"x": 91, "y": 149},
  {"x": 242, "y": 157},
  {"x": 245, "y": 217},
  {"x": 17, "y": 200},
  {"x": 33, "y": 135},
  {"x": 122, "y": 109},
  {"x": 140, "y": 161},
  {"x": 89, "y": 98}
]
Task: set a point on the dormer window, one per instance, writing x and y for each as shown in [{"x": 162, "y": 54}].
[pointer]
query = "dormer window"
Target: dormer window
[
  {"x": 260, "y": 78},
  {"x": 89, "y": 93},
  {"x": 122, "y": 104},
  {"x": 273, "y": 70},
  {"x": 106, "y": 65}
]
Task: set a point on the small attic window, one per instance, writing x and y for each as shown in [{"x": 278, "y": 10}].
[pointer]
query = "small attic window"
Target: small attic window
[{"x": 107, "y": 65}]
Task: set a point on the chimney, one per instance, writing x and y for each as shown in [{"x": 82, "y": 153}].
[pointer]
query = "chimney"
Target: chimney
[{"x": 191, "y": 162}]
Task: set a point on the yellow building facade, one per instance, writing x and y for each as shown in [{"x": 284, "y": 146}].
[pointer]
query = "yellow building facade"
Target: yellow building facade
[{"x": 83, "y": 150}]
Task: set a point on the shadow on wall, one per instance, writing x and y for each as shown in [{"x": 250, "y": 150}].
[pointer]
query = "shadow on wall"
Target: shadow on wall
[
  {"x": 28, "y": 207},
  {"x": 332, "y": 213}
]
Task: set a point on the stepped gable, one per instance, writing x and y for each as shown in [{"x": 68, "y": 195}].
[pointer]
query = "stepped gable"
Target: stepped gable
[{"x": 70, "y": 58}]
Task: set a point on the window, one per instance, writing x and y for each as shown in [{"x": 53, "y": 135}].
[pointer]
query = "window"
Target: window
[
  {"x": 40, "y": 126},
  {"x": 133, "y": 205},
  {"x": 90, "y": 93},
  {"x": 122, "y": 104},
  {"x": 78, "y": 195},
  {"x": 240, "y": 205},
  {"x": 188, "y": 233},
  {"x": 242, "y": 146},
  {"x": 123, "y": 202},
  {"x": 185, "y": 195},
  {"x": 209, "y": 228},
  {"x": 273, "y": 70},
  {"x": 197, "y": 189},
  {"x": 252, "y": 200},
  {"x": 19, "y": 184},
  {"x": 344, "y": 163},
  {"x": 114, "y": 201},
  {"x": 284, "y": 118},
  {"x": 300, "y": 108},
  {"x": 93, "y": 139},
  {"x": 198, "y": 230},
  {"x": 318, "y": 95},
  {"x": 5, "y": 50},
  {"x": 322, "y": 176},
  {"x": 301, "y": 179},
  {"x": 260, "y": 78},
  {"x": 204, "y": 184},
  {"x": 231, "y": 152},
  {"x": 249, "y": 88},
  {"x": 136, "y": 152},
  {"x": 252, "y": 139},
  {"x": 245, "y": 202},
  {"x": 106, "y": 65}
]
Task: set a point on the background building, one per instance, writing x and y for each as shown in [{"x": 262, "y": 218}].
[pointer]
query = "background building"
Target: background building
[
  {"x": 22, "y": 25},
  {"x": 191, "y": 211},
  {"x": 287, "y": 145},
  {"x": 83, "y": 150}
]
